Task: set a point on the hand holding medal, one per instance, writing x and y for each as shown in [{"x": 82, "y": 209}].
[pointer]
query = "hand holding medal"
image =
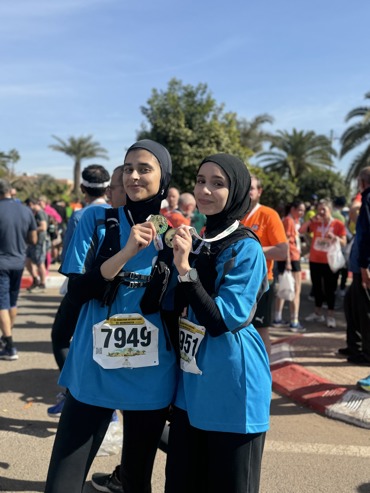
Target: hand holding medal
[{"x": 160, "y": 223}]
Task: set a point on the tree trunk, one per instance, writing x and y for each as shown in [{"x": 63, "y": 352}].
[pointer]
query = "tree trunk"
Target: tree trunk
[{"x": 76, "y": 177}]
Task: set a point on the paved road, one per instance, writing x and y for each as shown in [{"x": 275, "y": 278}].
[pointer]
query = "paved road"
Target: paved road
[{"x": 305, "y": 452}]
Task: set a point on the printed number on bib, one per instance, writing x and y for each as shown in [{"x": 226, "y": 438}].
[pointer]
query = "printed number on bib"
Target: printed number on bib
[
  {"x": 191, "y": 336},
  {"x": 125, "y": 340},
  {"x": 322, "y": 244}
]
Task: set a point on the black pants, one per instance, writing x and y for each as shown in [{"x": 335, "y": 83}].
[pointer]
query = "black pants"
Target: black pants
[
  {"x": 357, "y": 311},
  {"x": 63, "y": 329},
  {"x": 343, "y": 274},
  {"x": 211, "y": 462},
  {"x": 80, "y": 433},
  {"x": 324, "y": 284}
]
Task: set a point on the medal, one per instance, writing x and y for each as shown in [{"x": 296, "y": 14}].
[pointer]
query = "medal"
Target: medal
[
  {"x": 160, "y": 223},
  {"x": 168, "y": 237}
]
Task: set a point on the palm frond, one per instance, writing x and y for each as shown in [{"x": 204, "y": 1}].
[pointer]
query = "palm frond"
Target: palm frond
[
  {"x": 361, "y": 111},
  {"x": 361, "y": 161},
  {"x": 354, "y": 136}
]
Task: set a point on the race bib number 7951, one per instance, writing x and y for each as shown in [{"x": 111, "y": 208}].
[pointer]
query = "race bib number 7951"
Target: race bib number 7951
[{"x": 191, "y": 335}]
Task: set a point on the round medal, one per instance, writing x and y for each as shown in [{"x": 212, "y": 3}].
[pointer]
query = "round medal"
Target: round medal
[
  {"x": 168, "y": 237},
  {"x": 160, "y": 223}
]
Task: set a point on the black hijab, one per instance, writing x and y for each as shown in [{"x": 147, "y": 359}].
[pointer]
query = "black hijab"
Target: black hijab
[
  {"x": 142, "y": 209},
  {"x": 238, "y": 201}
]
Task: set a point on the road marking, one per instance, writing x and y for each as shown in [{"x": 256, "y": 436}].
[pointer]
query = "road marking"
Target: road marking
[{"x": 317, "y": 448}]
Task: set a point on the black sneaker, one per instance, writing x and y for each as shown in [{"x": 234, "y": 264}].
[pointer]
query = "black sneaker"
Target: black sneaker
[
  {"x": 109, "y": 483},
  {"x": 9, "y": 354},
  {"x": 345, "y": 351},
  {"x": 40, "y": 288},
  {"x": 34, "y": 285},
  {"x": 359, "y": 359}
]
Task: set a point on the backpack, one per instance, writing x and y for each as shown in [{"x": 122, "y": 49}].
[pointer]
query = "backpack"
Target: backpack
[
  {"x": 156, "y": 284},
  {"x": 205, "y": 263},
  {"x": 52, "y": 228}
]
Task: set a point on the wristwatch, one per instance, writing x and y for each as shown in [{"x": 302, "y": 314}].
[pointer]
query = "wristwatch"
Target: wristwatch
[{"x": 190, "y": 276}]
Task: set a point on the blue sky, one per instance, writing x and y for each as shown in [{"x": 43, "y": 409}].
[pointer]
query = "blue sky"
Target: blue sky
[{"x": 81, "y": 67}]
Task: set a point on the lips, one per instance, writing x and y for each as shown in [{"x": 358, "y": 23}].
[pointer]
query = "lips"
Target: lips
[{"x": 204, "y": 202}]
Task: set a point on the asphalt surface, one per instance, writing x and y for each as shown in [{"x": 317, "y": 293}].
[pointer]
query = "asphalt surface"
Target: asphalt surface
[{"x": 306, "y": 368}]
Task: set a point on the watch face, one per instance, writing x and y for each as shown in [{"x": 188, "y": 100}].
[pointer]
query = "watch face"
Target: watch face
[{"x": 193, "y": 275}]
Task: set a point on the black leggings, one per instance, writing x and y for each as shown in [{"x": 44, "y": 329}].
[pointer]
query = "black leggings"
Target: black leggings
[
  {"x": 63, "y": 329},
  {"x": 324, "y": 284},
  {"x": 80, "y": 433},
  {"x": 201, "y": 461},
  {"x": 357, "y": 311}
]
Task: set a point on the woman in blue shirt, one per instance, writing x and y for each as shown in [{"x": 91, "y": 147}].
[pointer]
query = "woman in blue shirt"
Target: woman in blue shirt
[
  {"x": 221, "y": 410},
  {"x": 120, "y": 358}
]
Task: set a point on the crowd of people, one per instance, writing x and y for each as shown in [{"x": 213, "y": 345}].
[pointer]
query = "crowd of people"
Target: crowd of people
[{"x": 167, "y": 306}]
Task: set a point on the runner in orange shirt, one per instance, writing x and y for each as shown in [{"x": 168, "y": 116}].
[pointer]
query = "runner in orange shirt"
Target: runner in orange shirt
[
  {"x": 292, "y": 223},
  {"x": 325, "y": 231},
  {"x": 267, "y": 225}
]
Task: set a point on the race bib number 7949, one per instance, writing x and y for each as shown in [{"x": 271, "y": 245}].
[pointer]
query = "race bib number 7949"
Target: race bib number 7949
[{"x": 125, "y": 340}]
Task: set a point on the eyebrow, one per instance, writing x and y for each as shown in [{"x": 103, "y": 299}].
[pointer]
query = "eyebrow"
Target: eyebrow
[
  {"x": 139, "y": 164},
  {"x": 218, "y": 177}
]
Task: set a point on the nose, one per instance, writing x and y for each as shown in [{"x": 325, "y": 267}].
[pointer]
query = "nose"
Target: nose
[
  {"x": 205, "y": 189},
  {"x": 135, "y": 175}
]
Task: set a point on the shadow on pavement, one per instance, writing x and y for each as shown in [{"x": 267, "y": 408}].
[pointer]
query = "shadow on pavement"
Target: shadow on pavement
[
  {"x": 7, "y": 484},
  {"x": 32, "y": 385},
  {"x": 39, "y": 429}
]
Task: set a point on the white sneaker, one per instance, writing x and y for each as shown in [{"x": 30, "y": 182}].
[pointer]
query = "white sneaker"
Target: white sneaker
[
  {"x": 314, "y": 317},
  {"x": 330, "y": 322}
]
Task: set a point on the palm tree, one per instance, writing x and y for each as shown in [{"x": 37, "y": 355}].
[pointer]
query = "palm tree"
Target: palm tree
[
  {"x": 251, "y": 134},
  {"x": 79, "y": 149},
  {"x": 356, "y": 135},
  {"x": 7, "y": 161},
  {"x": 293, "y": 154}
]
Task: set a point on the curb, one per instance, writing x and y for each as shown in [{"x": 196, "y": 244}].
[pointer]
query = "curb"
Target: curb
[
  {"x": 51, "y": 281},
  {"x": 310, "y": 390}
]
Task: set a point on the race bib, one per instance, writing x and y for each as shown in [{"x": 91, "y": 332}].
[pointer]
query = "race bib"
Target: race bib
[
  {"x": 191, "y": 336},
  {"x": 322, "y": 244},
  {"x": 125, "y": 341}
]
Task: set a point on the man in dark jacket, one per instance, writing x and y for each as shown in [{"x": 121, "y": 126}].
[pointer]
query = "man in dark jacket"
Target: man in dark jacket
[{"x": 357, "y": 298}]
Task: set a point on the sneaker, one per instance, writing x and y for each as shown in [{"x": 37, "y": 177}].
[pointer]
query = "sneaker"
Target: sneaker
[
  {"x": 2, "y": 342},
  {"x": 344, "y": 351},
  {"x": 33, "y": 285},
  {"x": 56, "y": 410},
  {"x": 39, "y": 288},
  {"x": 279, "y": 323},
  {"x": 10, "y": 354},
  {"x": 359, "y": 359},
  {"x": 110, "y": 483},
  {"x": 331, "y": 323},
  {"x": 314, "y": 317},
  {"x": 364, "y": 384},
  {"x": 296, "y": 327}
]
